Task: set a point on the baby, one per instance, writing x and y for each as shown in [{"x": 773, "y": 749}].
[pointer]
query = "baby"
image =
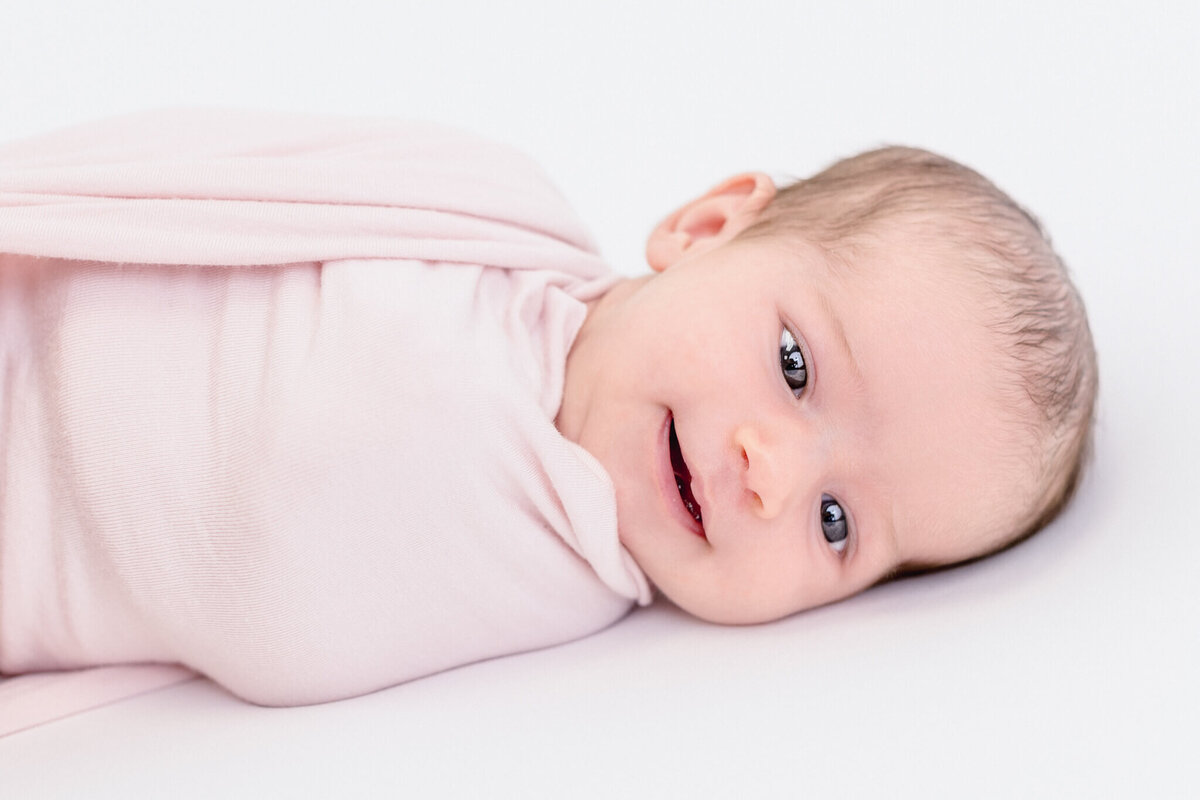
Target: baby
[
  {"x": 878, "y": 370},
  {"x": 316, "y": 406}
]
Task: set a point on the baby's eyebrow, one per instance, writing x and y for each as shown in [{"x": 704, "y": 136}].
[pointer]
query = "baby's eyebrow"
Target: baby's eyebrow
[
  {"x": 887, "y": 517},
  {"x": 839, "y": 336}
]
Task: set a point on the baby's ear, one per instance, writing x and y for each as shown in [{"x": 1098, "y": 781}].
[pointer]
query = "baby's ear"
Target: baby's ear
[{"x": 710, "y": 220}]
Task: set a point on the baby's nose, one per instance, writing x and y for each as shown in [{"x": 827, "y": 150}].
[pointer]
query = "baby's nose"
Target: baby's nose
[{"x": 766, "y": 471}]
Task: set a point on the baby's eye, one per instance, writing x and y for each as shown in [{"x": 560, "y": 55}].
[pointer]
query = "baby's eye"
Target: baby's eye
[
  {"x": 791, "y": 362},
  {"x": 833, "y": 523}
]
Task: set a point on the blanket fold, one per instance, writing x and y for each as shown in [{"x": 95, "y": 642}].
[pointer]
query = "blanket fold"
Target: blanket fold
[{"x": 240, "y": 187}]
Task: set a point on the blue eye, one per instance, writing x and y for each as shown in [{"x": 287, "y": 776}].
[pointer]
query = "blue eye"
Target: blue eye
[
  {"x": 791, "y": 363},
  {"x": 833, "y": 523}
]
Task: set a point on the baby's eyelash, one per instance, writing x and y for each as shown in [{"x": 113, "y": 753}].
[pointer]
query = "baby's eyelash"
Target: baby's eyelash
[{"x": 792, "y": 362}]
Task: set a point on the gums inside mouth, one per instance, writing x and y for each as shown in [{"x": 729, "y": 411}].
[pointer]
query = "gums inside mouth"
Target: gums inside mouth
[{"x": 683, "y": 478}]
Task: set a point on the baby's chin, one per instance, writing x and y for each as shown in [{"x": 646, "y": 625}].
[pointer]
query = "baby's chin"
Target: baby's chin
[{"x": 723, "y": 609}]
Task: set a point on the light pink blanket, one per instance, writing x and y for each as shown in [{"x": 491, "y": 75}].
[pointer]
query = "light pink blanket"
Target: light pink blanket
[{"x": 278, "y": 406}]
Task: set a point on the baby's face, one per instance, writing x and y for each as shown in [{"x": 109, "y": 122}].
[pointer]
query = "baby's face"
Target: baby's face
[{"x": 783, "y": 433}]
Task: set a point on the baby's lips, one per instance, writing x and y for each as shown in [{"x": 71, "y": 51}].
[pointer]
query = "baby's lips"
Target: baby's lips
[
  {"x": 697, "y": 487},
  {"x": 701, "y": 496}
]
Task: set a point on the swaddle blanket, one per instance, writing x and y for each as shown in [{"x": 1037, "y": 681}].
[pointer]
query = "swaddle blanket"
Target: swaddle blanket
[{"x": 278, "y": 405}]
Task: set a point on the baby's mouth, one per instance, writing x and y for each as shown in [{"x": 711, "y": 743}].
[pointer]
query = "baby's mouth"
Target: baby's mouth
[{"x": 683, "y": 479}]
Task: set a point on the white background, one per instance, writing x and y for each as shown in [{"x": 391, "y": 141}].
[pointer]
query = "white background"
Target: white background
[{"x": 1066, "y": 667}]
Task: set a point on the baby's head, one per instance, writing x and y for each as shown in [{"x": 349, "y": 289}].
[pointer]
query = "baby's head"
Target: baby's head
[{"x": 881, "y": 369}]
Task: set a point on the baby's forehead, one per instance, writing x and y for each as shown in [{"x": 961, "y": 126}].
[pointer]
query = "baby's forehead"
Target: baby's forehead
[{"x": 904, "y": 267}]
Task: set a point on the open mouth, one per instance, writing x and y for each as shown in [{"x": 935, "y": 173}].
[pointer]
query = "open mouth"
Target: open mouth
[{"x": 683, "y": 479}]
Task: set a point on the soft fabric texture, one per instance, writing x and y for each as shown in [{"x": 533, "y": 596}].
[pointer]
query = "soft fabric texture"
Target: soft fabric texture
[{"x": 278, "y": 405}]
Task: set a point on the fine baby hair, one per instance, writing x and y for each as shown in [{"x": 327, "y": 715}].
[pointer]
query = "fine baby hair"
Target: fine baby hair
[{"x": 983, "y": 234}]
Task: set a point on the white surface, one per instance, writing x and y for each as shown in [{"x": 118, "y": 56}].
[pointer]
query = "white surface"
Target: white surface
[{"x": 1064, "y": 668}]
